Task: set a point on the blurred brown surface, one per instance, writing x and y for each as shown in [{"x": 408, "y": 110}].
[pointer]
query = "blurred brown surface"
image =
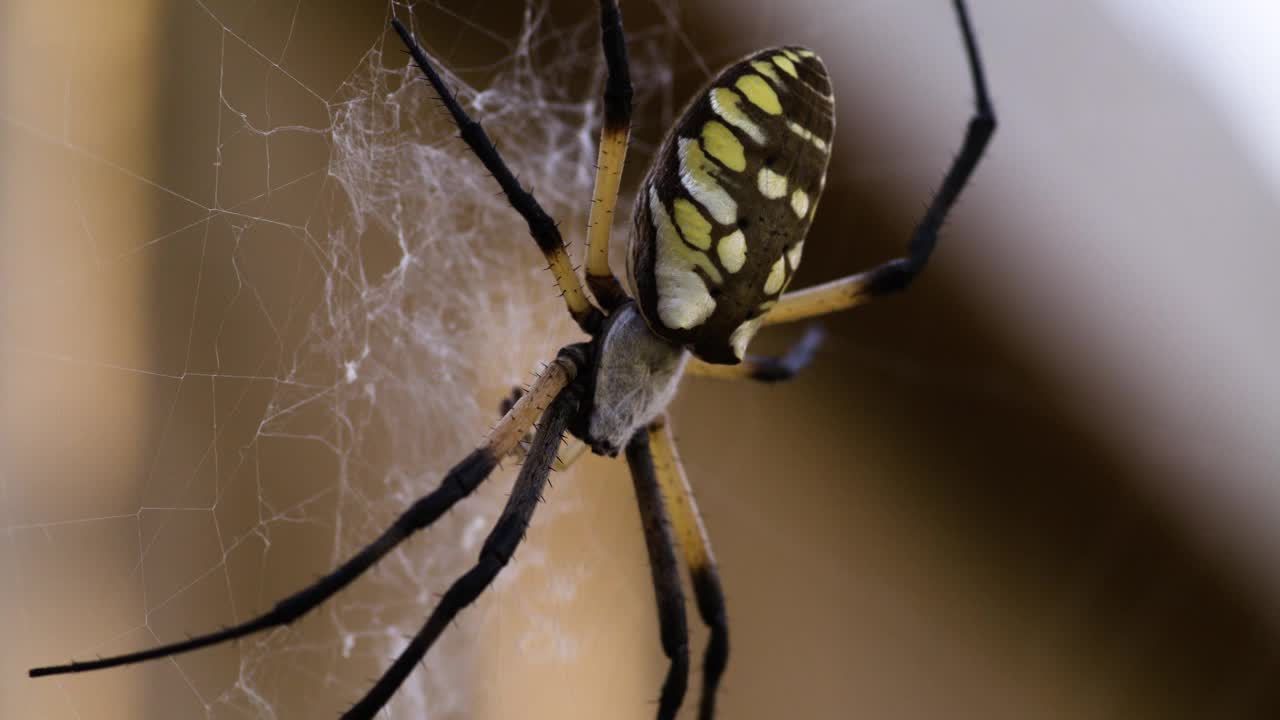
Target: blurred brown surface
[{"x": 964, "y": 509}]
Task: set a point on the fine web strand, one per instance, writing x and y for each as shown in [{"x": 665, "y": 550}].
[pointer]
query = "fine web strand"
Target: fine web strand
[{"x": 270, "y": 317}]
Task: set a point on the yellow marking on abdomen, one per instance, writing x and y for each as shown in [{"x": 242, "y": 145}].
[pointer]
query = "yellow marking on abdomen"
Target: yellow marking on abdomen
[
  {"x": 742, "y": 335},
  {"x": 772, "y": 185},
  {"x": 723, "y": 146},
  {"x": 787, "y": 66},
  {"x": 726, "y": 104},
  {"x": 800, "y": 203},
  {"x": 793, "y": 255},
  {"x": 732, "y": 250},
  {"x": 759, "y": 93},
  {"x": 697, "y": 174},
  {"x": 805, "y": 133},
  {"x": 791, "y": 55},
  {"x": 695, "y": 228},
  {"x": 777, "y": 275},
  {"x": 683, "y": 299},
  {"x": 767, "y": 70}
]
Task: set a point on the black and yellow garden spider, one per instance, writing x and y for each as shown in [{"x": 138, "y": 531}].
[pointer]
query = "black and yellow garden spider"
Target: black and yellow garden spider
[{"x": 720, "y": 223}]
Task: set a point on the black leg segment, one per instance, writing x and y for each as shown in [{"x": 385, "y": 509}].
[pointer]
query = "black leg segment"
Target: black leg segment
[
  {"x": 460, "y": 482},
  {"x": 710, "y": 598},
  {"x": 617, "y": 86},
  {"x": 771, "y": 369},
  {"x": 541, "y": 226},
  {"x": 666, "y": 574},
  {"x": 896, "y": 275},
  {"x": 457, "y": 484}
]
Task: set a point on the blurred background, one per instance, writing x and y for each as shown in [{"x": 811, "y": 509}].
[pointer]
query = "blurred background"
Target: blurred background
[{"x": 254, "y": 301}]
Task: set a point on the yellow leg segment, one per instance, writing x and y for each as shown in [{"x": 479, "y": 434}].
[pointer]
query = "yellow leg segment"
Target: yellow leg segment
[
  {"x": 700, "y": 368},
  {"x": 613, "y": 153},
  {"x": 570, "y": 287},
  {"x": 570, "y": 451},
  {"x": 821, "y": 299},
  {"x": 511, "y": 429},
  {"x": 685, "y": 519},
  {"x": 600, "y": 278}
]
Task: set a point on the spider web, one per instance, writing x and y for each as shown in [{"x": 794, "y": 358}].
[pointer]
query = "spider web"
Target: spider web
[{"x": 259, "y": 298}]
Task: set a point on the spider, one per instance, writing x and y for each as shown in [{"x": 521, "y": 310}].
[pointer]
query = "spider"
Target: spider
[{"x": 719, "y": 227}]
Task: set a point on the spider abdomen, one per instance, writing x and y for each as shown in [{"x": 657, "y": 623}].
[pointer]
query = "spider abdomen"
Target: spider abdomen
[{"x": 721, "y": 218}]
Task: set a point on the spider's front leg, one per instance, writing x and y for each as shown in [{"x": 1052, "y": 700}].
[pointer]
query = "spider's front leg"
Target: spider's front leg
[
  {"x": 614, "y": 136},
  {"x": 573, "y": 449},
  {"x": 553, "y": 394},
  {"x": 897, "y": 274},
  {"x": 541, "y": 226}
]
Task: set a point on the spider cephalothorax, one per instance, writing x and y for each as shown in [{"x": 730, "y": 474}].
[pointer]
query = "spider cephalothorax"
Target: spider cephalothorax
[
  {"x": 632, "y": 377},
  {"x": 720, "y": 223}
]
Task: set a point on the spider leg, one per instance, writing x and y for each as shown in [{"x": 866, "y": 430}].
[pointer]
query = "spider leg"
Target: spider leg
[
  {"x": 457, "y": 484},
  {"x": 494, "y": 555},
  {"x": 613, "y": 153},
  {"x": 762, "y": 368},
  {"x": 573, "y": 451},
  {"x": 541, "y": 226},
  {"x": 696, "y": 546},
  {"x": 666, "y": 573},
  {"x": 570, "y": 452},
  {"x": 895, "y": 275}
]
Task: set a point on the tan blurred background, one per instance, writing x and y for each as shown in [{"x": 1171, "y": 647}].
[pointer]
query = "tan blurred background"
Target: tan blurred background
[{"x": 1040, "y": 485}]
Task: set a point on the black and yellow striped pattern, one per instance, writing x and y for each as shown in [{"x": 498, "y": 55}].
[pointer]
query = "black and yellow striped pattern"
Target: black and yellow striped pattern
[{"x": 722, "y": 216}]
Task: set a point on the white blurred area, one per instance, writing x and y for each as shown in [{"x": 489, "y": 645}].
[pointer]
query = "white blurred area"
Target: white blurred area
[
  {"x": 1223, "y": 345},
  {"x": 1229, "y": 50}
]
